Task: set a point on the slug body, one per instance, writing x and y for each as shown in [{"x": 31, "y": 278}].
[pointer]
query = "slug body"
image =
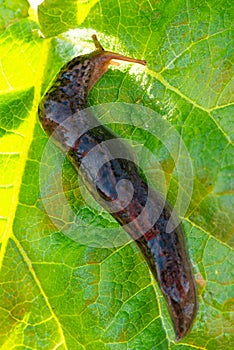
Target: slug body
[{"x": 62, "y": 114}]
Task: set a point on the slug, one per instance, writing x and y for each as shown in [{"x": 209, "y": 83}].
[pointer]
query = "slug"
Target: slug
[{"x": 62, "y": 115}]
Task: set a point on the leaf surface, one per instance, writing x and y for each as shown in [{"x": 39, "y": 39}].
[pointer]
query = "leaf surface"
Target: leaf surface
[{"x": 57, "y": 292}]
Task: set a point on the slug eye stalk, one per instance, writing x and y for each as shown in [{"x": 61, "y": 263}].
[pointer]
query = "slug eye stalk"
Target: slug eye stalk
[
  {"x": 102, "y": 59},
  {"x": 115, "y": 55}
]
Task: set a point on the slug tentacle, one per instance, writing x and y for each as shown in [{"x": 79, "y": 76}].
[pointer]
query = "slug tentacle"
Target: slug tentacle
[{"x": 62, "y": 114}]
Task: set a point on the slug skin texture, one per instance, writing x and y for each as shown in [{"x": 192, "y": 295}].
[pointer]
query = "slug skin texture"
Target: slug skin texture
[{"x": 62, "y": 114}]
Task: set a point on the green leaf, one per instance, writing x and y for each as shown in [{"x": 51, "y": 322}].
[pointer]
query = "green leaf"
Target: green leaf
[
  {"x": 58, "y": 292},
  {"x": 12, "y": 11},
  {"x": 56, "y": 18}
]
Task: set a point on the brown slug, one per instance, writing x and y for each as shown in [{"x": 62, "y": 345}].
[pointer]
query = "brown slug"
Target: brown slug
[{"x": 62, "y": 114}]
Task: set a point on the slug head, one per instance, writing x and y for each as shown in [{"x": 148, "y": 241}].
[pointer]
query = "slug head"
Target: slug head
[{"x": 101, "y": 60}]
